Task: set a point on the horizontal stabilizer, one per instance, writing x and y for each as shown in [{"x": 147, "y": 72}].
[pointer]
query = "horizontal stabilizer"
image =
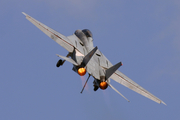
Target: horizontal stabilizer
[
  {"x": 88, "y": 57},
  {"x": 112, "y": 69},
  {"x": 118, "y": 92},
  {"x": 68, "y": 59}
]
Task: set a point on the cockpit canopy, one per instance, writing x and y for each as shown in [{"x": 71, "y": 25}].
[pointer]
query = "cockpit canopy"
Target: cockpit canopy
[{"x": 87, "y": 33}]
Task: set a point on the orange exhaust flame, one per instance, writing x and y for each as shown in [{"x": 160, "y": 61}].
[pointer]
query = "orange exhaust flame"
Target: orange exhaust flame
[
  {"x": 81, "y": 71},
  {"x": 103, "y": 85}
]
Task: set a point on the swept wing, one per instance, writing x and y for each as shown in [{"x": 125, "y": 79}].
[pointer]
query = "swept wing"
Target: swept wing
[
  {"x": 126, "y": 81},
  {"x": 69, "y": 43}
]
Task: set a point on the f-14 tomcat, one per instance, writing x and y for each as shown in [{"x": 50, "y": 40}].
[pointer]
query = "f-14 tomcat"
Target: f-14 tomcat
[{"x": 87, "y": 58}]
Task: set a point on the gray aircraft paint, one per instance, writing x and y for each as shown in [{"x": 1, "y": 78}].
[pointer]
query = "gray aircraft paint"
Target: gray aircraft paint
[{"x": 79, "y": 45}]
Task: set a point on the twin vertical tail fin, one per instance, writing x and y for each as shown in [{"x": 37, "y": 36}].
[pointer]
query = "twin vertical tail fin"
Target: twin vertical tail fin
[
  {"x": 88, "y": 57},
  {"x": 85, "y": 62},
  {"x": 109, "y": 72},
  {"x": 112, "y": 69}
]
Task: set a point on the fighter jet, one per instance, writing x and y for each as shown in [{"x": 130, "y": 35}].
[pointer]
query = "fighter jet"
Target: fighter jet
[{"x": 88, "y": 59}]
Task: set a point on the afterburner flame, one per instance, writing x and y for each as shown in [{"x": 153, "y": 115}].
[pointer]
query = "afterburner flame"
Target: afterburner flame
[
  {"x": 103, "y": 85},
  {"x": 81, "y": 71}
]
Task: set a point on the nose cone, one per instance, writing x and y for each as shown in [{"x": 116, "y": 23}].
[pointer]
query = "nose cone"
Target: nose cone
[{"x": 103, "y": 85}]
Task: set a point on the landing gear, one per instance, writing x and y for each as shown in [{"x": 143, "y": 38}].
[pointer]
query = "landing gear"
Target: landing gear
[
  {"x": 59, "y": 63},
  {"x": 95, "y": 88},
  {"x": 96, "y": 82}
]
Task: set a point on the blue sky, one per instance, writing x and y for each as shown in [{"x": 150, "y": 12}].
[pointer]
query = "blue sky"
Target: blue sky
[{"x": 144, "y": 35}]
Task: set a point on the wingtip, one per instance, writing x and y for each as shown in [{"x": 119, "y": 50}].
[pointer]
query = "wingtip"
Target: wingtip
[
  {"x": 24, "y": 13},
  {"x": 163, "y": 103},
  {"x": 58, "y": 55}
]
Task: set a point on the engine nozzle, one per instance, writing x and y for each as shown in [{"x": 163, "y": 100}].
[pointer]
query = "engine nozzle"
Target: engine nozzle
[
  {"x": 82, "y": 71},
  {"x": 103, "y": 85}
]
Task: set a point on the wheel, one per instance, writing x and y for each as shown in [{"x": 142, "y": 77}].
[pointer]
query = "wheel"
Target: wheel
[
  {"x": 59, "y": 63},
  {"x": 95, "y": 88}
]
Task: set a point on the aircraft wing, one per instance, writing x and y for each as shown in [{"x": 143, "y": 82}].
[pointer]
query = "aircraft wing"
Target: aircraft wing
[
  {"x": 56, "y": 36},
  {"x": 124, "y": 80}
]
